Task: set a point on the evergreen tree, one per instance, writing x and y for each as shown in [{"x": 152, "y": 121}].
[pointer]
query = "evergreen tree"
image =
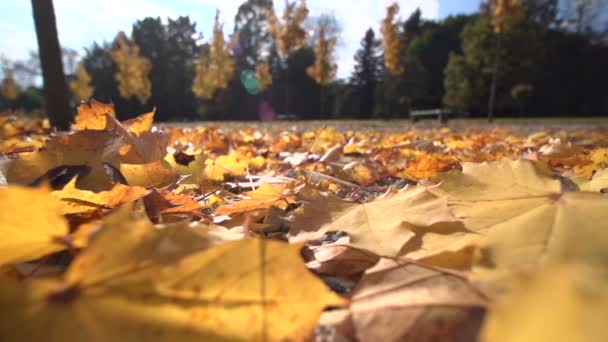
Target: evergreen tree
[{"x": 367, "y": 73}]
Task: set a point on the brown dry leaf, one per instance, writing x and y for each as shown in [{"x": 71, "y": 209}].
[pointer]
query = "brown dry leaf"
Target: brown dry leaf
[
  {"x": 163, "y": 285},
  {"x": 560, "y": 303},
  {"x": 165, "y": 203},
  {"x": 338, "y": 258},
  {"x": 140, "y": 146},
  {"x": 264, "y": 197},
  {"x": 31, "y": 224},
  {"x": 92, "y": 115},
  {"x": 75, "y": 201},
  {"x": 382, "y": 226},
  {"x": 89, "y": 148},
  {"x": 406, "y": 301}
]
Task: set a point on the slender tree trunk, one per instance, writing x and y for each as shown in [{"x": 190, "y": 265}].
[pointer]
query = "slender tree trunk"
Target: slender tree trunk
[
  {"x": 287, "y": 87},
  {"x": 494, "y": 79},
  {"x": 322, "y": 101},
  {"x": 55, "y": 85}
]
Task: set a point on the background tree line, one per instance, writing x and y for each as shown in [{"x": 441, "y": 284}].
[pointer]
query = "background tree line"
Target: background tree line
[{"x": 537, "y": 57}]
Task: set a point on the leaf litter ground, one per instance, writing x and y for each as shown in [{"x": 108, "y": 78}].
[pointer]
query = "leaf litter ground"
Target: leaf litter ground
[{"x": 129, "y": 231}]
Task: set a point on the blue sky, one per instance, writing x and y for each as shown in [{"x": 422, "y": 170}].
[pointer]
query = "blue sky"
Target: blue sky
[{"x": 80, "y": 22}]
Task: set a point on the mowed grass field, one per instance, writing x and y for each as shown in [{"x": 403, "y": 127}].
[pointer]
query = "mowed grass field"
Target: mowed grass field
[{"x": 528, "y": 124}]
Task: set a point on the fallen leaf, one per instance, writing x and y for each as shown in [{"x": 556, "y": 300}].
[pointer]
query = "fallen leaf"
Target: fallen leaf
[
  {"x": 338, "y": 258},
  {"x": 92, "y": 115},
  {"x": 165, "y": 203},
  {"x": 598, "y": 182},
  {"x": 83, "y": 148},
  {"x": 264, "y": 197},
  {"x": 75, "y": 201},
  {"x": 155, "y": 174},
  {"x": 383, "y": 225},
  {"x": 153, "y": 284},
  {"x": 405, "y": 301},
  {"x": 31, "y": 224},
  {"x": 561, "y": 303},
  {"x": 481, "y": 196}
]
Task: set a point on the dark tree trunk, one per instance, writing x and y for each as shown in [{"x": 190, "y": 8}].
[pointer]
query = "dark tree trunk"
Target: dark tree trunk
[{"x": 55, "y": 86}]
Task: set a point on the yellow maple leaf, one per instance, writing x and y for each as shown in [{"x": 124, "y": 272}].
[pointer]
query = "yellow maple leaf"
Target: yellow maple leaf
[
  {"x": 31, "y": 224},
  {"x": 264, "y": 197},
  {"x": 92, "y": 115},
  {"x": 76, "y": 201},
  {"x": 165, "y": 285},
  {"x": 560, "y": 303}
]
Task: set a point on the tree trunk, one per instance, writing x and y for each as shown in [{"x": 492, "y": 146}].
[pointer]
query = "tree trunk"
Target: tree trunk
[
  {"x": 322, "y": 114},
  {"x": 55, "y": 85},
  {"x": 494, "y": 80}
]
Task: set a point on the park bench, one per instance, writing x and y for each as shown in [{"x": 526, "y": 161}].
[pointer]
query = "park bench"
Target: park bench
[{"x": 441, "y": 114}]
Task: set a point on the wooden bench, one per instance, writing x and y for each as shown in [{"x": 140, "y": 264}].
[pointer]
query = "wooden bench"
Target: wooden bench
[{"x": 441, "y": 114}]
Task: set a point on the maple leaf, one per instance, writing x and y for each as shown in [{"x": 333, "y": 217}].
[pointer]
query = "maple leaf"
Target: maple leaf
[
  {"x": 560, "y": 303},
  {"x": 188, "y": 165},
  {"x": 76, "y": 201},
  {"x": 406, "y": 301},
  {"x": 598, "y": 182},
  {"x": 264, "y": 197},
  {"x": 233, "y": 164},
  {"x": 92, "y": 115},
  {"x": 166, "y": 285},
  {"x": 515, "y": 213},
  {"x": 89, "y": 148},
  {"x": 165, "y": 203},
  {"x": 31, "y": 224},
  {"x": 155, "y": 174},
  {"x": 383, "y": 225}
]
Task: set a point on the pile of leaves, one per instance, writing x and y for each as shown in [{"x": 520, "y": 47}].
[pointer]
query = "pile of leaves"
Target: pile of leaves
[{"x": 127, "y": 231}]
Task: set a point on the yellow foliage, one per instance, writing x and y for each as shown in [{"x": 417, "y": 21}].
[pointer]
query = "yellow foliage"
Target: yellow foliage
[
  {"x": 288, "y": 32},
  {"x": 324, "y": 70},
  {"x": 133, "y": 70},
  {"x": 81, "y": 86},
  {"x": 10, "y": 89},
  {"x": 215, "y": 67},
  {"x": 264, "y": 75},
  {"x": 506, "y": 13},
  {"x": 391, "y": 41}
]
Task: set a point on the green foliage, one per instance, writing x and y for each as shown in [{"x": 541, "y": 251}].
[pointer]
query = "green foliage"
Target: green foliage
[
  {"x": 522, "y": 93},
  {"x": 468, "y": 76}
]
